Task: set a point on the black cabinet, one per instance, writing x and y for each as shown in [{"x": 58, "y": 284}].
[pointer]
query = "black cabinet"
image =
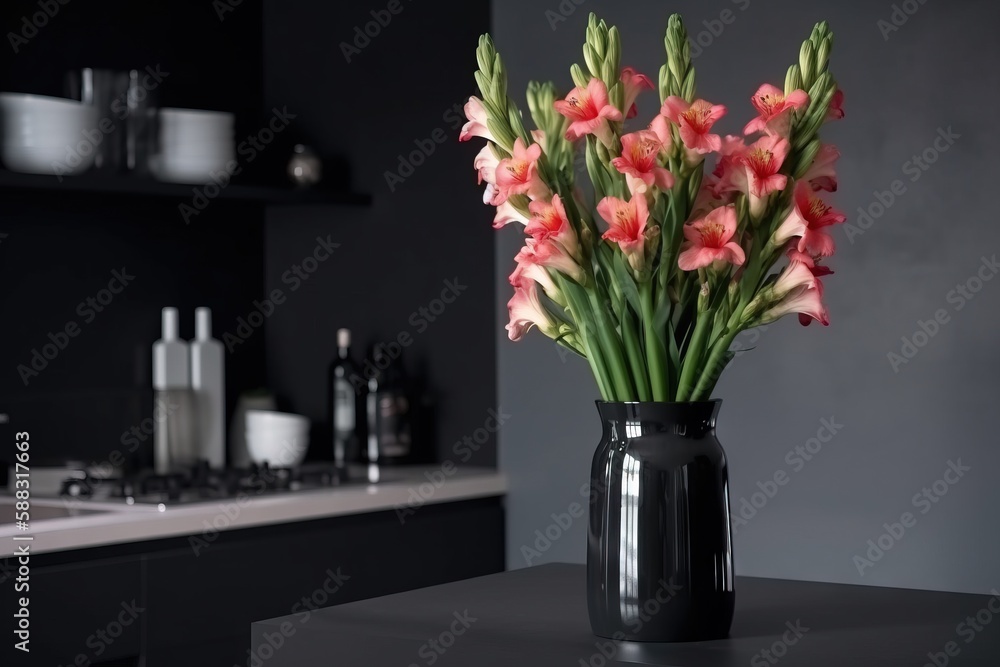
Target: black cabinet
[
  {"x": 80, "y": 614},
  {"x": 194, "y": 606}
]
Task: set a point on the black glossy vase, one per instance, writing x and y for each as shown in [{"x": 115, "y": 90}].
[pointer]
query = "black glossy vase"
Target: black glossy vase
[{"x": 659, "y": 545}]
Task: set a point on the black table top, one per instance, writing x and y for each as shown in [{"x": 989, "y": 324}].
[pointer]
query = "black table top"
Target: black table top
[{"x": 538, "y": 616}]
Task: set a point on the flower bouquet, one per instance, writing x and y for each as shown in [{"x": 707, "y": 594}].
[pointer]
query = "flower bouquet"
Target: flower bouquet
[
  {"x": 649, "y": 274},
  {"x": 678, "y": 259}
]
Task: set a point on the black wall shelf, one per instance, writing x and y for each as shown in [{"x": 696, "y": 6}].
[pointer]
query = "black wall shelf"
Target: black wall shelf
[{"x": 109, "y": 184}]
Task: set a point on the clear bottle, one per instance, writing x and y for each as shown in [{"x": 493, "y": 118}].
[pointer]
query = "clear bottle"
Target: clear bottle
[
  {"x": 208, "y": 382},
  {"x": 173, "y": 441},
  {"x": 343, "y": 382}
]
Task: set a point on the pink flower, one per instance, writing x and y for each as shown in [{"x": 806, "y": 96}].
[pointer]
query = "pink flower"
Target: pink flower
[
  {"x": 528, "y": 272},
  {"x": 807, "y": 302},
  {"x": 526, "y": 310},
  {"x": 708, "y": 198},
  {"x": 695, "y": 121},
  {"x": 486, "y": 164},
  {"x": 476, "y": 127},
  {"x": 634, "y": 83},
  {"x": 626, "y": 226},
  {"x": 518, "y": 174},
  {"x": 661, "y": 128},
  {"x": 589, "y": 111},
  {"x": 796, "y": 275},
  {"x": 794, "y": 254},
  {"x": 775, "y": 109},
  {"x": 821, "y": 174},
  {"x": 506, "y": 214},
  {"x": 807, "y": 221},
  {"x": 549, "y": 221},
  {"x": 798, "y": 290},
  {"x": 836, "y": 111},
  {"x": 638, "y": 162},
  {"x": 730, "y": 173},
  {"x": 550, "y": 254},
  {"x": 762, "y": 162},
  {"x": 708, "y": 241},
  {"x": 815, "y": 269}
]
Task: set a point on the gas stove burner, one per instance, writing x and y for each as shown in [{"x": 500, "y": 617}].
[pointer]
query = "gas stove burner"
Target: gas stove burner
[
  {"x": 200, "y": 483},
  {"x": 77, "y": 487}
]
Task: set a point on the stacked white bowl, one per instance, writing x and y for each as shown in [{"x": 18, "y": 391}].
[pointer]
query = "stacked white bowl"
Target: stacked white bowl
[
  {"x": 279, "y": 438},
  {"x": 194, "y": 145},
  {"x": 47, "y": 135}
]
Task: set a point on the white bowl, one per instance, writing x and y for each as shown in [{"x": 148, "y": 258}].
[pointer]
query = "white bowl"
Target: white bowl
[
  {"x": 38, "y": 131},
  {"x": 52, "y": 160},
  {"x": 276, "y": 451},
  {"x": 171, "y": 116},
  {"x": 272, "y": 418},
  {"x": 40, "y": 104},
  {"x": 184, "y": 156},
  {"x": 192, "y": 172}
]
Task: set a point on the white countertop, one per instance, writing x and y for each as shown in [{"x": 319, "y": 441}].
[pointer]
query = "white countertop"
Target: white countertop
[{"x": 404, "y": 489}]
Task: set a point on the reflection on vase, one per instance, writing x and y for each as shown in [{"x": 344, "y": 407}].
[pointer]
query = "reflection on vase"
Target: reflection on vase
[{"x": 659, "y": 559}]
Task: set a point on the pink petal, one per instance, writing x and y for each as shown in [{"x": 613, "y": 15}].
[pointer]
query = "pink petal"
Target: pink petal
[{"x": 673, "y": 107}]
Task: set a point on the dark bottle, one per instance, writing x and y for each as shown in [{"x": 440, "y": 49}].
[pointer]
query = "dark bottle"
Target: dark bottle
[
  {"x": 343, "y": 383},
  {"x": 387, "y": 409}
]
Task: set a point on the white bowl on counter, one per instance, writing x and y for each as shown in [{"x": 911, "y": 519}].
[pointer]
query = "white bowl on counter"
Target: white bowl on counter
[
  {"x": 46, "y": 135},
  {"x": 278, "y": 438}
]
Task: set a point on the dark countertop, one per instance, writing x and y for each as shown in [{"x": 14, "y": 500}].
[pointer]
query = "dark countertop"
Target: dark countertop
[{"x": 538, "y": 617}]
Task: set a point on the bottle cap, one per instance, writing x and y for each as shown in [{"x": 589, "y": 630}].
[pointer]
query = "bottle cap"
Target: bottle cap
[
  {"x": 343, "y": 337},
  {"x": 202, "y": 323},
  {"x": 170, "y": 323}
]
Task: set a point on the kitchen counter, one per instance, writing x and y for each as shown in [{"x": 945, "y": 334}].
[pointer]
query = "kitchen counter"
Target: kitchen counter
[
  {"x": 403, "y": 489},
  {"x": 538, "y": 617}
]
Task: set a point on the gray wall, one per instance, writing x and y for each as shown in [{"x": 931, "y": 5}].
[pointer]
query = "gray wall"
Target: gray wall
[{"x": 900, "y": 429}]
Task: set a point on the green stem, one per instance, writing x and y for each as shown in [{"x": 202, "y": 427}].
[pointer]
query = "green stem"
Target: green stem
[
  {"x": 612, "y": 351},
  {"x": 692, "y": 356},
  {"x": 634, "y": 352},
  {"x": 713, "y": 368},
  {"x": 659, "y": 372},
  {"x": 593, "y": 352}
]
